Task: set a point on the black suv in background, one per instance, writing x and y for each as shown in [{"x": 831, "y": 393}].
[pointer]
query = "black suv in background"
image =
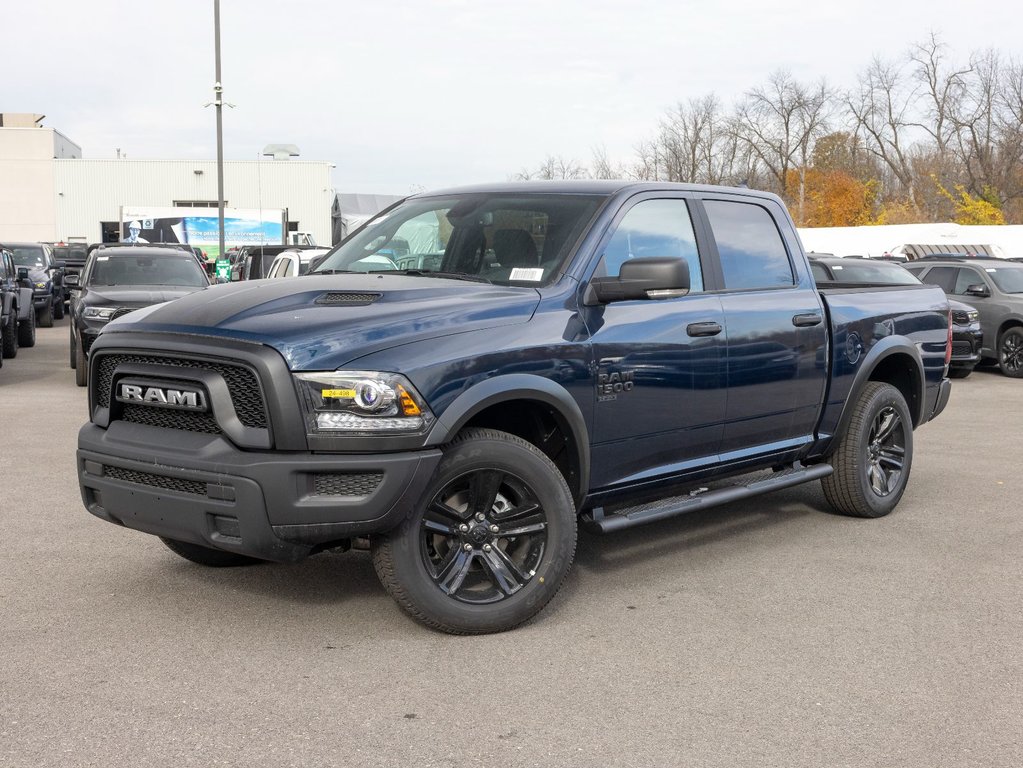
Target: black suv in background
[
  {"x": 73, "y": 256},
  {"x": 120, "y": 279},
  {"x": 993, "y": 287},
  {"x": 46, "y": 276},
  {"x": 851, "y": 270},
  {"x": 17, "y": 318}
]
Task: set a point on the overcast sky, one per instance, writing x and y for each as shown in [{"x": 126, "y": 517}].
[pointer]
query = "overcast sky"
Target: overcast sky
[{"x": 405, "y": 95}]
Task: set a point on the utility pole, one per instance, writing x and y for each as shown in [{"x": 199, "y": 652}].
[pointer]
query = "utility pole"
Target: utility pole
[{"x": 218, "y": 102}]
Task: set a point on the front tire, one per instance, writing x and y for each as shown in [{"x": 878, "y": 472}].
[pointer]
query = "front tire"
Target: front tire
[
  {"x": 213, "y": 558},
  {"x": 1010, "y": 353},
  {"x": 27, "y": 330},
  {"x": 45, "y": 318},
  {"x": 874, "y": 456},
  {"x": 491, "y": 542},
  {"x": 58, "y": 309},
  {"x": 81, "y": 365}
]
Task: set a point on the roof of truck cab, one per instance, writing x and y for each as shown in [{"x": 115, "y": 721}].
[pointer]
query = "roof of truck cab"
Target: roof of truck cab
[{"x": 590, "y": 187}]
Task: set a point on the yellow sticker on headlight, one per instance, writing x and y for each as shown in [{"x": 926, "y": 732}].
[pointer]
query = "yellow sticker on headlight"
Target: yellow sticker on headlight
[{"x": 338, "y": 394}]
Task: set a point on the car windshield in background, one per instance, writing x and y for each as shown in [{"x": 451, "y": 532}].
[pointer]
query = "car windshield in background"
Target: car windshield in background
[
  {"x": 1008, "y": 279},
  {"x": 507, "y": 239},
  {"x": 27, "y": 256},
  {"x": 863, "y": 272},
  {"x": 147, "y": 270}
]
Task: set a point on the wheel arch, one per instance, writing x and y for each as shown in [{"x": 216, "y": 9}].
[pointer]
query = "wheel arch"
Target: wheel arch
[
  {"x": 892, "y": 361},
  {"x": 1011, "y": 322},
  {"x": 536, "y": 409}
]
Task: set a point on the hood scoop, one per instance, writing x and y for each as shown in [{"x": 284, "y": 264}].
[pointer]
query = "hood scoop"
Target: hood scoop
[{"x": 347, "y": 298}]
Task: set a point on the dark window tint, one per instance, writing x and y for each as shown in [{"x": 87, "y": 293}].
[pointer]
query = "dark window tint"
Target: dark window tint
[
  {"x": 751, "y": 249},
  {"x": 655, "y": 228},
  {"x": 820, "y": 273},
  {"x": 943, "y": 277}
]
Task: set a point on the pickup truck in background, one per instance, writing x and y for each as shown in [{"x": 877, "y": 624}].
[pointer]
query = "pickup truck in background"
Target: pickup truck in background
[{"x": 549, "y": 355}]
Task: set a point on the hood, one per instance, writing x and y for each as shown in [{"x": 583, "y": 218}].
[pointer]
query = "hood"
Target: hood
[
  {"x": 135, "y": 295},
  {"x": 317, "y": 323},
  {"x": 38, "y": 275}
]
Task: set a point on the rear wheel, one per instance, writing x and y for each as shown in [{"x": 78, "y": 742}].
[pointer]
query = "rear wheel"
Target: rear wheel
[
  {"x": 1010, "y": 353},
  {"x": 27, "y": 330},
  {"x": 45, "y": 318},
  {"x": 58, "y": 309},
  {"x": 9, "y": 335},
  {"x": 491, "y": 543},
  {"x": 214, "y": 558},
  {"x": 874, "y": 455}
]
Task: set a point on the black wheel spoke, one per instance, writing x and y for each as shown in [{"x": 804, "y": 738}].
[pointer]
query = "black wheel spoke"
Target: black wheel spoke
[
  {"x": 444, "y": 511},
  {"x": 887, "y": 422},
  {"x": 878, "y": 480},
  {"x": 506, "y": 575},
  {"x": 453, "y": 572},
  {"x": 483, "y": 489},
  {"x": 438, "y": 526},
  {"x": 523, "y": 530},
  {"x": 517, "y": 514}
]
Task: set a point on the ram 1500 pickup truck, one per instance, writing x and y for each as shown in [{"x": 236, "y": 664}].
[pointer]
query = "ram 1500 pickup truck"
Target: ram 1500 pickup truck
[{"x": 545, "y": 355}]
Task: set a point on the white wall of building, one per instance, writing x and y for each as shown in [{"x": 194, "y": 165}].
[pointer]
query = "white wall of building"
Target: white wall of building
[
  {"x": 26, "y": 184},
  {"x": 87, "y": 192}
]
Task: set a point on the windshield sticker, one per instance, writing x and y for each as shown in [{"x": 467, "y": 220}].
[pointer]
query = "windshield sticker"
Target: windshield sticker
[
  {"x": 533, "y": 274},
  {"x": 990, "y": 270},
  {"x": 838, "y": 266},
  {"x": 102, "y": 258}
]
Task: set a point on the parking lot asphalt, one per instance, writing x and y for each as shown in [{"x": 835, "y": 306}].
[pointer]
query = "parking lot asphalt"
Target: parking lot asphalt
[{"x": 765, "y": 633}]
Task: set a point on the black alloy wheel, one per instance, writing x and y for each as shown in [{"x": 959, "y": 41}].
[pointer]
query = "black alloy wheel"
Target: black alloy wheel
[
  {"x": 58, "y": 309},
  {"x": 874, "y": 455},
  {"x": 1010, "y": 353},
  {"x": 491, "y": 542}
]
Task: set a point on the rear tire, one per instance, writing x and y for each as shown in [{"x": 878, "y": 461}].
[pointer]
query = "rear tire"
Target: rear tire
[
  {"x": 490, "y": 542},
  {"x": 213, "y": 558},
  {"x": 874, "y": 456},
  {"x": 9, "y": 336},
  {"x": 58, "y": 309}
]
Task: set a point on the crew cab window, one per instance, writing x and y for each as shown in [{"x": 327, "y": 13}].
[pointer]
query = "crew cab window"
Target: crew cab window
[
  {"x": 654, "y": 228},
  {"x": 752, "y": 252}
]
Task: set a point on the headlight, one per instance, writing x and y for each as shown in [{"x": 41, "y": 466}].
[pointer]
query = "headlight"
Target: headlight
[
  {"x": 42, "y": 286},
  {"x": 973, "y": 315},
  {"x": 361, "y": 402},
  {"x": 100, "y": 313}
]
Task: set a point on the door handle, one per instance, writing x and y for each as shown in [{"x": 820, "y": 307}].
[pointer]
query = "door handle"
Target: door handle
[
  {"x": 807, "y": 320},
  {"x": 703, "y": 329}
]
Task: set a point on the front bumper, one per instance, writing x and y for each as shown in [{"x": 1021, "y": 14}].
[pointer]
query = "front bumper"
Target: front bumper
[
  {"x": 966, "y": 346},
  {"x": 277, "y": 506},
  {"x": 42, "y": 300}
]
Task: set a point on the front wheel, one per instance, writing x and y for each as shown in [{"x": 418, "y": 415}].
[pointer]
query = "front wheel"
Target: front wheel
[
  {"x": 1010, "y": 353},
  {"x": 9, "y": 335},
  {"x": 81, "y": 365},
  {"x": 27, "y": 330},
  {"x": 45, "y": 317},
  {"x": 58, "y": 309},
  {"x": 874, "y": 455},
  {"x": 491, "y": 543}
]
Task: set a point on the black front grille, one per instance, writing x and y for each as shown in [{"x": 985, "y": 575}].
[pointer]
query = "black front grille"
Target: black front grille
[
  {"x": 241, "y": 383},
  {"x": 960, "y": 317},
  {"x": 962, "y": 348},
  {"x": 170, "y": 418},
  {"x": 347, "y": 484},
  {"x": 156, "y": 481}
]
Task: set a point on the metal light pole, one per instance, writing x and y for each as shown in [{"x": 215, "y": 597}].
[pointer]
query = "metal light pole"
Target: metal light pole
[{"x": 218, "y": 102}]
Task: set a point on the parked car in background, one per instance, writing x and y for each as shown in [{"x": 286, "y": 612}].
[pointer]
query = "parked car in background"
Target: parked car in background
[
  {"x": 994, "y": 287},
  {"x": 73, "y": 257},
  {"x": 253, "y": 261},
  {"x": 966, "y": 332},
  {"x": 294, "y": 262},
  {"x": 17, "y": 315},
  {"x": 46, "y": 277},
  {"x": 121, "y": 279}
]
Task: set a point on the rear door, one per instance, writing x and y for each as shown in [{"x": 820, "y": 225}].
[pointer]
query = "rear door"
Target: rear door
[{"x": 775, "y": 328}]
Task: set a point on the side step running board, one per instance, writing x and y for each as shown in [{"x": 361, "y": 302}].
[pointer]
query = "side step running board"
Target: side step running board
[{"x": 599, "y": 520}]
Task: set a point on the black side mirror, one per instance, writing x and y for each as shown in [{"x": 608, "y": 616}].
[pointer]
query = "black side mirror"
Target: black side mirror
[
  {"x": 71, "y": 281},
  {"x": 979, "y": 289},
  {"x": 655, "y": 277}
]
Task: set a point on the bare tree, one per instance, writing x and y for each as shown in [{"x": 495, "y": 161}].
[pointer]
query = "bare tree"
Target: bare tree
[
  {"x": 601, "y": 166},
  {"x": 942, "y": 90},
  {"x": 554, "y": 167}
]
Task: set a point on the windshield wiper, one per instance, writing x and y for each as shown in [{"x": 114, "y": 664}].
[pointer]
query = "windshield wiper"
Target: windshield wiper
[
  {"x": 433, "y": 273},
  {"x": 332, "y": 272}
]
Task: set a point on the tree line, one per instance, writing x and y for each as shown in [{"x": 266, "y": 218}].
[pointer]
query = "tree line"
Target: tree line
[{"x": 921, "y": 138}]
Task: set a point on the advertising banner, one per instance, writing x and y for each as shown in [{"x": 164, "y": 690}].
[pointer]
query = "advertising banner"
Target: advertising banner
[{"x": 198, "y": 226}]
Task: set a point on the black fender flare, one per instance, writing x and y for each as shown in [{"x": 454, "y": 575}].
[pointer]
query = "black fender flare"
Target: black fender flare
[
  {"x": 884, "y": 349},
  {"x": 26, "y": 304},
  {"x": 509, "y": 388}
]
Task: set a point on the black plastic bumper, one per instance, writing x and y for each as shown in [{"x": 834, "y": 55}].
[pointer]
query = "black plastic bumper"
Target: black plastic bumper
[
  {"x": 944, "y": 392},
  {"x": 271, "y": 505}
]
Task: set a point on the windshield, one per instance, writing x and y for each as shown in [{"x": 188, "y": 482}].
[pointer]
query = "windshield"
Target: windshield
[
  {"x": 147, "y": 270},
  {"x": 507, "y": 239},
  {"x": 1008, "y": 279},
  {"x": 28, "y": 256},
  {"x": 864, "y": 272}
]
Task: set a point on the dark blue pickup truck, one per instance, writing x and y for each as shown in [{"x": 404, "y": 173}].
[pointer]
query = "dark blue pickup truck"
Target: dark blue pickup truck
[{"x": 476, "y": 372}]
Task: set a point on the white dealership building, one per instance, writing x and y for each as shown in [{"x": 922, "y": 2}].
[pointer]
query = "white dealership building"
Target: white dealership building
[{"x": 50, "y": 193}]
